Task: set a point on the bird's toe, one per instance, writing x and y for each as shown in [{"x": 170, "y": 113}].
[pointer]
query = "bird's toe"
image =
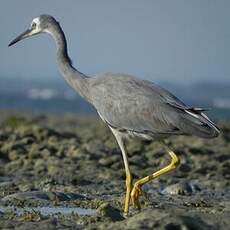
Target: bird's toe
[{"x": 135, "y": 194}]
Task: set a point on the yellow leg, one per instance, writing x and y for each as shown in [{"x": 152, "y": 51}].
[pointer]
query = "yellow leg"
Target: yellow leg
[
  {"x": 137, "y": 191},
  {"x": 129, "y": 187},
  {"x": 129, "y": 179}
]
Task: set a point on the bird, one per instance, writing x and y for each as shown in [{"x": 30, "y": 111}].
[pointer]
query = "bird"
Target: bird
[{"x": 131, "y": 108}]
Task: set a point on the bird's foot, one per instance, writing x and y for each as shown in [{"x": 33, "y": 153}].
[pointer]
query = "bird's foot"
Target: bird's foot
[{"x": 136, "y": 193}]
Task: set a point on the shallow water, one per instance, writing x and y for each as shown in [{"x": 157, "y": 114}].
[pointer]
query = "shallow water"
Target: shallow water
[{"x": 48, "y": 211}]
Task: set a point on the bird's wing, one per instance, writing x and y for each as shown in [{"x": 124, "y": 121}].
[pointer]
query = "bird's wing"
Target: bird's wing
[{"x": 127, "y": 103}]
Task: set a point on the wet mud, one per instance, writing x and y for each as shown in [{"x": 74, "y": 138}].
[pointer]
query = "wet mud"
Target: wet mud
[{"x": 66, "y": 172}]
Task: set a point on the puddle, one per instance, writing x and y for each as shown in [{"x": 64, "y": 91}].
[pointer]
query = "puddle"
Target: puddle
[{"x": 48, "y": 211}]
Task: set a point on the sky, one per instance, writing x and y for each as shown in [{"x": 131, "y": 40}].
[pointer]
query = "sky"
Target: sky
[{"x": 160, "y": 40}]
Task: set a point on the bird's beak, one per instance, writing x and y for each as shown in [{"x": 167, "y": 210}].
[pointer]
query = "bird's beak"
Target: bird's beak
[{"x": 27, "y": 33}]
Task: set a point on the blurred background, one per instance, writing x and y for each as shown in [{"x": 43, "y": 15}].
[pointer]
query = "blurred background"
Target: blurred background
[{"x": 182, "y": 45}]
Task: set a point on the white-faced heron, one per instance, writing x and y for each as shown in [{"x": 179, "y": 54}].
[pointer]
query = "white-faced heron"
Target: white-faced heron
[{"x": 129, "y": 106}]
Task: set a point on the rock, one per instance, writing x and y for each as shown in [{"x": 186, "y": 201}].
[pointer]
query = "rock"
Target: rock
[
  {"x": 181, "y": 188},
  {"x": 53, "y": 170},
  {"x": 187, "y": 223},
  {"x": 25, "y": 187},
  {"x": 13, "y": 155},
  {"x": 53, "y": 160},
  {"x": 107, "y": 211},
  {"x": 185, "y": 168},
  {"x": 108, "y": 160}
]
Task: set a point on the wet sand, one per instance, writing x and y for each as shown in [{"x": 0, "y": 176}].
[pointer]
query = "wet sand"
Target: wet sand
[{"x": 66, "y": 172}]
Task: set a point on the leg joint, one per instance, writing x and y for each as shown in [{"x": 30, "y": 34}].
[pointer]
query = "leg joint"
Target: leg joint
[{"x": 175, "y": 161}]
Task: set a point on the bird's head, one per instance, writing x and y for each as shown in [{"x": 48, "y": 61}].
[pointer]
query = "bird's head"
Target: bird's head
[{"x": 42, "y": 24}]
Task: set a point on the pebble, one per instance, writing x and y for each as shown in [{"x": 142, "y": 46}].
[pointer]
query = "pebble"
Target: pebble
[{"x": 181, "y": 188}]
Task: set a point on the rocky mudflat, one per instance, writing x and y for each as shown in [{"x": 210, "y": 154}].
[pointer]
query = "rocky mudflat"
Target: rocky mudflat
[{"x": 66, "y": 172}]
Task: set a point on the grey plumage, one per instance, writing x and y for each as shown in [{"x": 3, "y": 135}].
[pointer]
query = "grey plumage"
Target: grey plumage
[{"x": 128, "y": 105}]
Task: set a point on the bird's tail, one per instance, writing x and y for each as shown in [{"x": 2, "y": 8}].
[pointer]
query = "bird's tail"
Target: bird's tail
[{"x": 195, "y": 122}]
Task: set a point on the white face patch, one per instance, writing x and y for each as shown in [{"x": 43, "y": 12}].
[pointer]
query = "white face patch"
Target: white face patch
[
  {"x": 36, "y": 21},
  {"x": 35, "y": 26}
]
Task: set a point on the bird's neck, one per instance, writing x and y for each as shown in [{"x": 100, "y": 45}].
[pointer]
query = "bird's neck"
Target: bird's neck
[{"x": 75, "y": 79}]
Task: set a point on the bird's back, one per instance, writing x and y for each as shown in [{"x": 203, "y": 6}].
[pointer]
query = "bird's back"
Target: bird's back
[{"x": 127, "y": 103}]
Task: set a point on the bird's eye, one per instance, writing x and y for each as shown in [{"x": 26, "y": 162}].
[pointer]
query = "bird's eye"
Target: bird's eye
[{"x": 33, "y": 26}]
